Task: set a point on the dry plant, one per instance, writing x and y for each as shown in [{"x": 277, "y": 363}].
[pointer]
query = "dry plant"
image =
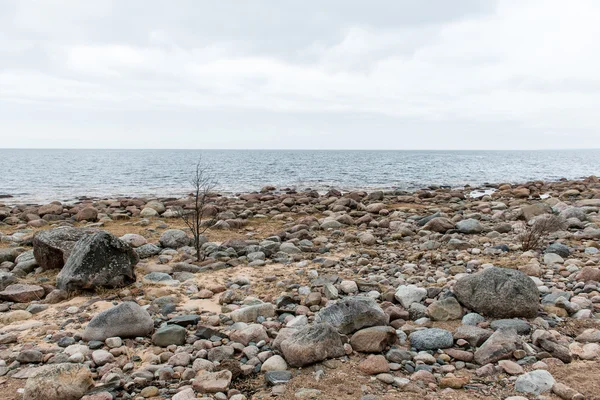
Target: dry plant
[
  {"x": 203, "y": 182},
  {"x": 532, "y": 237}
]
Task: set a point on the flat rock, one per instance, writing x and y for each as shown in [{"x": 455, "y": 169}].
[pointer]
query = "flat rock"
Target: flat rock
[
  {"x": 127, "y": 320},
  {"x": 22, "y": 293}
]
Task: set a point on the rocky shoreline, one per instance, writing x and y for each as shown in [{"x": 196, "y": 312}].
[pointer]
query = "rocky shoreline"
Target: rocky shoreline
[{"x": 304, "y": 295}]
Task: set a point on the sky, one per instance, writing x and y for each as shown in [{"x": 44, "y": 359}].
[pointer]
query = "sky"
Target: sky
[{"x": 288, "y": 74}]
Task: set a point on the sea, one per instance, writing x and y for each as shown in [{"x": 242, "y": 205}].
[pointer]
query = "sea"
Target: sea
[{"x": 43, "y": 175}]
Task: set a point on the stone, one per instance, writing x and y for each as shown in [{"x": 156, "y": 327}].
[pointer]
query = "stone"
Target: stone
[
  {"x": 273, "y": 378},
  {"x": 159, "y": 278},
  {"x": 168, "y": 335},
  {"x": 553, "y": 258},
  {"x": 439, "y": 225},
  {"x": 472, "y": 334},
  {"x": 52, "y": 247},
  {"x": 87, "y": 214},
  {"x": 588, "y": 274},
  {"x": 58, "y": 382},
  {"x": 511, "y": 367},
  {"x": 148, "y": 212},
  {"x": 348, "y": 287},
  {"x": 312, "y": 344},
  {"x": 174, "y": 239},
  {"x": 469, "y": 226},
  {"x": 408, "y": 294},
  {"x": 566, "y": 393},
  {"x": 251, "y": 313},
  {"x": 185, "y": 394},
  {"x": 134, "y": 240},
  {"x": 253, "y": 333},
  {"x": 472, "y": 319},
  {"x": 374, "y": 364},
  {"x": 522, "y": 327},
  {"x": 559, "y": 248},
  {"x": 102, "y": 357},
  {"x": 147, "y": 250},
  {"x": 184, "y": 320},
  {"x": 275, "y": 363},
  {"x": 367, "y": 239},
  {"x": 352, "y": 314},
  {"x": 22, "y": 293},
  {"x": 127, "y": 320},
  {"x": 289, "y": 248},
  {"x": 431, "y": 339},
  {"x": 30, "y": 356},
  {"x": 374, "y": 339},
  {"x": 445, "y": 310},
  {"x": 212, "y": 382},
  {"x": 454, "y": 382},
  {"x": 6, "y": 279},
  {"x": 535, "y": 382},
  {"x": 500, "y": 345},
  {"x": 499, "y": 293},
  {"x": 98, "y": 260},
  {"x": 589, "y": 336}
]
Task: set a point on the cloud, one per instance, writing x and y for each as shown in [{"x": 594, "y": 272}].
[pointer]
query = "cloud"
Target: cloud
[{"x": 456, "y": 70}]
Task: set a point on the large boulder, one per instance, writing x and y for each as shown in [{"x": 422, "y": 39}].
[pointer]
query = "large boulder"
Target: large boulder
[
  {"x": 58, "y": 382},
  {"x": 127, "y": 320},
  {"x": 312, "y": 344},
  {"x": 499, "y": 293},
  {"x": 352, "y": 314},
  {"x": 99, "y": 260},
  {"x": 52, "y": 247}
]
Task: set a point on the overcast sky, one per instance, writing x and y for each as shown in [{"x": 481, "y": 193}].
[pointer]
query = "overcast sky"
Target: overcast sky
[{"x": 327, "y": 74}]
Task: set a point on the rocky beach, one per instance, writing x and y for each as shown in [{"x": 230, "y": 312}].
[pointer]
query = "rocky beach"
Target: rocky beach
[{"x": 426, "y": 294}]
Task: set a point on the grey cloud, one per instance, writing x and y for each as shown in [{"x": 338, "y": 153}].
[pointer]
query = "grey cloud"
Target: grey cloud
[{"x": 330, "y": 74}]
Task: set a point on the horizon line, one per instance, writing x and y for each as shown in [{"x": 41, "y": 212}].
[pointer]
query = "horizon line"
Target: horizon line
[{"x": 282, "y": 149}]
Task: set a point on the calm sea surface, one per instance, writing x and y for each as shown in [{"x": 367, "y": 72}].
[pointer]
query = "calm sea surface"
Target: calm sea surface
[{"x": 43, "y": 175}]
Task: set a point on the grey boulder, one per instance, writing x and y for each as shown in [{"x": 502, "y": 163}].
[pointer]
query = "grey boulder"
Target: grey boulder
[
  {"x": 99, "y": 260},
  {"x": 312, "y": 344},
  {"x": 499, "y": 293},
  {"x": 352, "y": 314}
]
